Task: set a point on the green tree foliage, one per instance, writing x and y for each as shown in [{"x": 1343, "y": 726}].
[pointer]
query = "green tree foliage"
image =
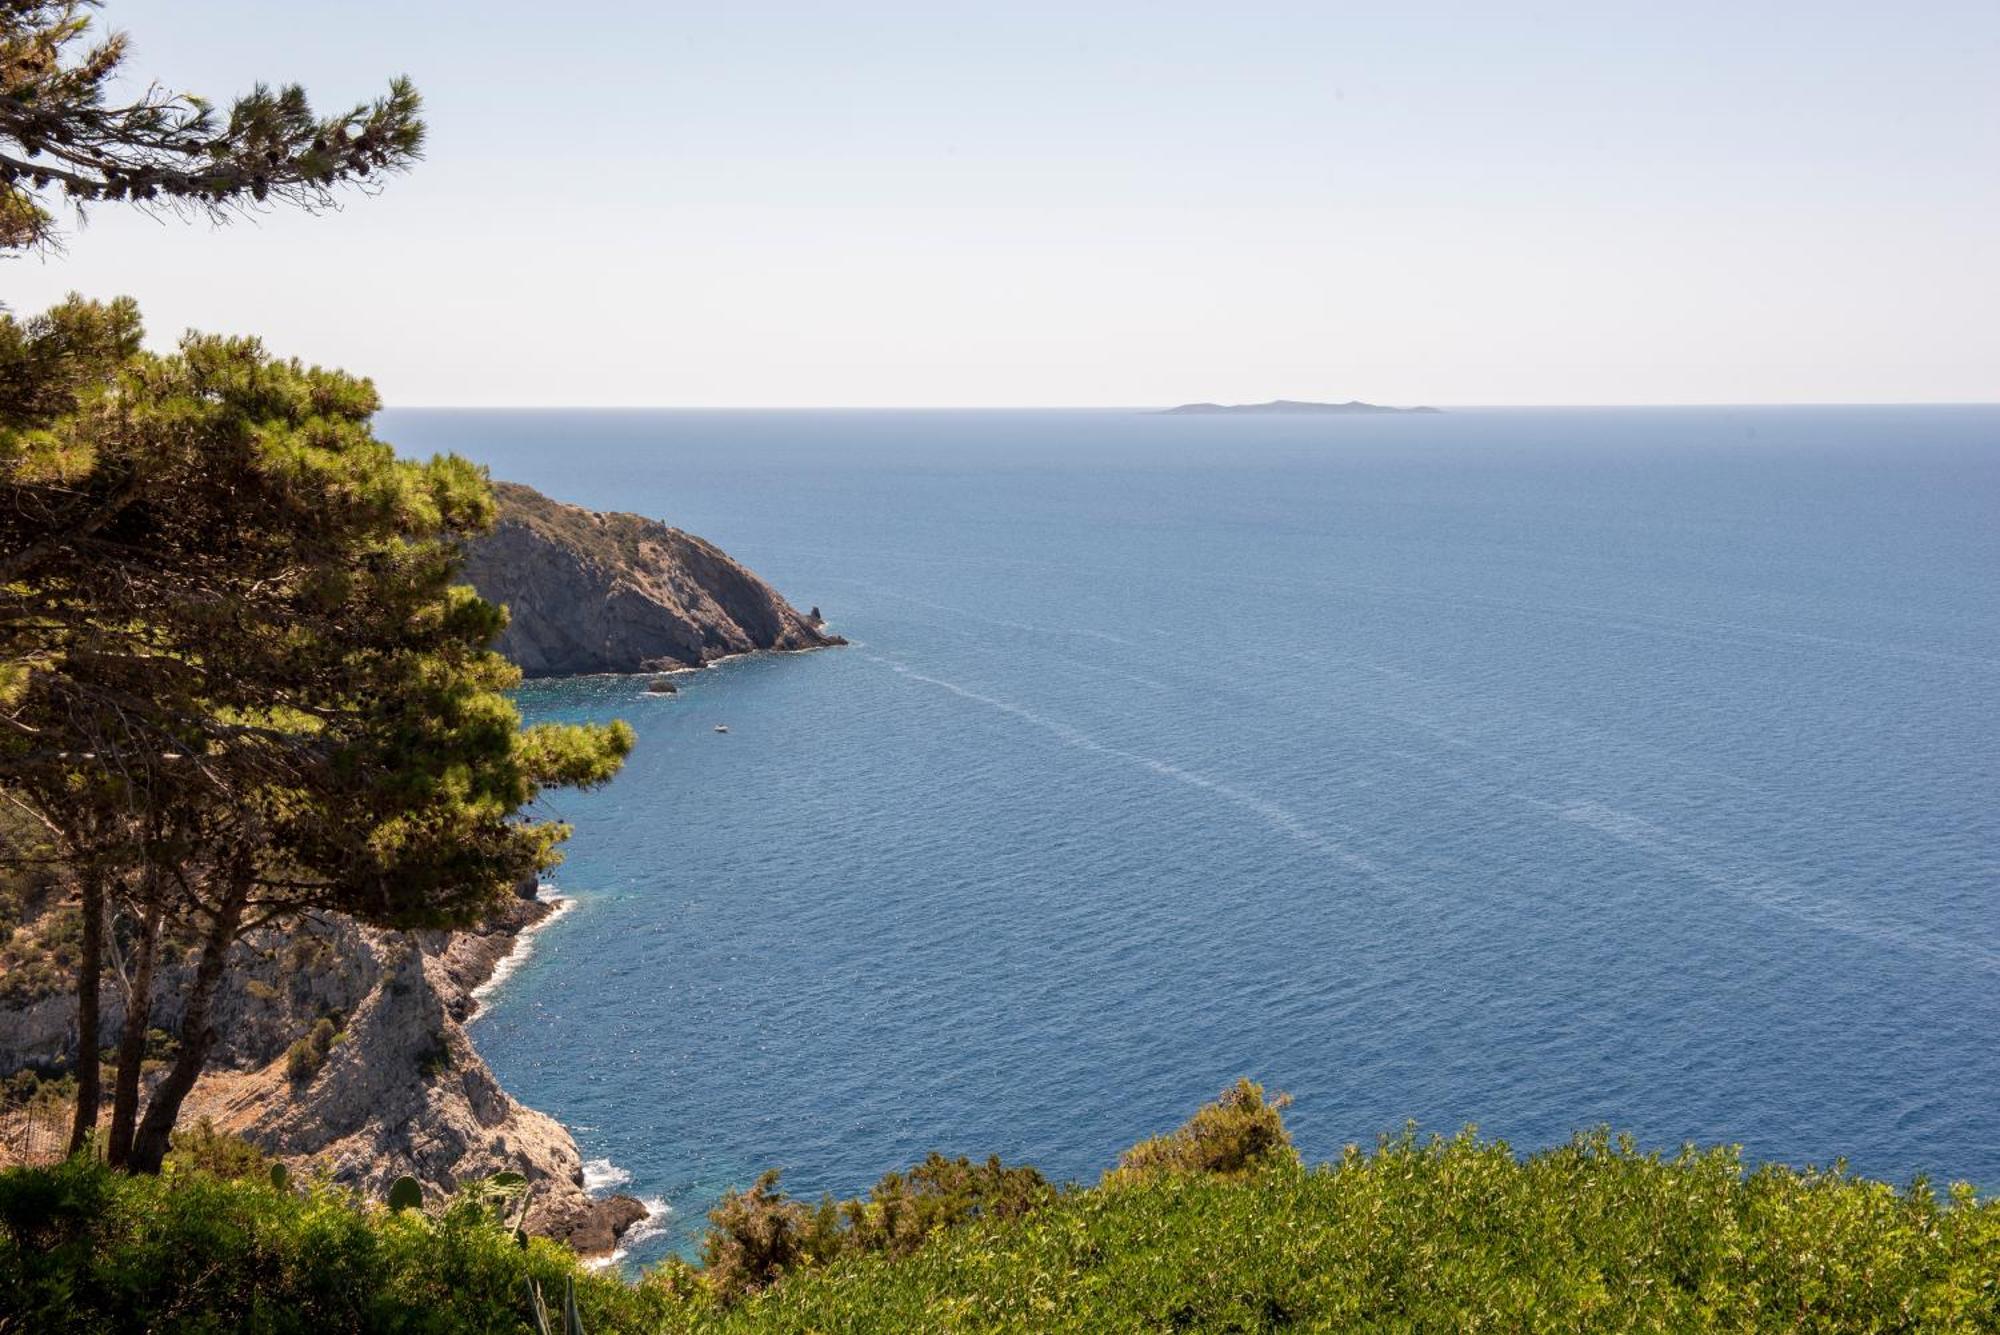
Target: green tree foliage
[
  {"x": 64, "y": 140},
  {"x": 242, "y": 680}
]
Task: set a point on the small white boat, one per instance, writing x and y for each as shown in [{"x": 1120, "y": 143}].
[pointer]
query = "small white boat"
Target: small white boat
[{"x": 722, "y": 727}]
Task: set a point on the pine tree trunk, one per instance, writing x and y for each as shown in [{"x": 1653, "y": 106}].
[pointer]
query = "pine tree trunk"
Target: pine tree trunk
[
  {"x": 132, "y": 1044},
  {"x": 149, "y": 1145},
  {"x": 89, "y": 973}
]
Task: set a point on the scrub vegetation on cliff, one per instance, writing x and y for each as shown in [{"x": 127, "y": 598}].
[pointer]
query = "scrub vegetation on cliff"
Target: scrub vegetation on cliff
[{"x": 1222, "y": 1229}]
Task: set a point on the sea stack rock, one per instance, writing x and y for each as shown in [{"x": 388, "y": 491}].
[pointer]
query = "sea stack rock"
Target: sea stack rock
[{"x": 590, "y": 591}]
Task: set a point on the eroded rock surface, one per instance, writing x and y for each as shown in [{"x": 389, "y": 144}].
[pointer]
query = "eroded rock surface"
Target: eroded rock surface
[{"x": 402, "y": 1090}]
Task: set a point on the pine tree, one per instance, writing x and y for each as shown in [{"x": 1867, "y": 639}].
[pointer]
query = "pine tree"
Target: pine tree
[
  {"x": 238, "y": 678},
  {"x": 64, "y": 141},
  {"x": 250, "y": 685}
]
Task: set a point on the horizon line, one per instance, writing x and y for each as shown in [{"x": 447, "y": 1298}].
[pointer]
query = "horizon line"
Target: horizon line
[{"x": 1145, "y": 407}]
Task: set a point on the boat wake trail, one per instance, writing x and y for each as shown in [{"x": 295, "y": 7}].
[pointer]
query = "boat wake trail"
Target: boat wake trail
[
  {"x": 1706, "y": 863},
  {"x": 1280, "y": 818}
]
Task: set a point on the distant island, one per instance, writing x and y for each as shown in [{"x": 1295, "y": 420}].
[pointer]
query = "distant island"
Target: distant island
[{"x": 1292, "y": 406}]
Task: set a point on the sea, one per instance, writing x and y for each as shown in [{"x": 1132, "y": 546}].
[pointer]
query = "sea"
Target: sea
[{"x": 1532, "y": 769}]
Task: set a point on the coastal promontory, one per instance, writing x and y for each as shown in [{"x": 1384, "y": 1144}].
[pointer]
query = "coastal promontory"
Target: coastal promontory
[{"x": 602, "y": 591}]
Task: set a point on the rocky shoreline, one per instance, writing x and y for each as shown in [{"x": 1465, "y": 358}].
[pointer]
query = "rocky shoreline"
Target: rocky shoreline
[
  {"x": 405, "y": 1091},
  {"x": 400, "y": 1090}
]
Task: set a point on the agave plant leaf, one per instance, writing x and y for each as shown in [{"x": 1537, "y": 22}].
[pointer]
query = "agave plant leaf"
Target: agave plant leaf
[
  {"x": 537, "y": 1313},
  {"x": 572, "y": 1320}
]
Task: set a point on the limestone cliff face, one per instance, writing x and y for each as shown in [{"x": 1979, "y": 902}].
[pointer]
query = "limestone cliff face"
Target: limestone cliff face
[
  {"x": 589, "y": 591},
  {"x": 404, "y": 1091},
  {"x": 401, "y": 1091}
]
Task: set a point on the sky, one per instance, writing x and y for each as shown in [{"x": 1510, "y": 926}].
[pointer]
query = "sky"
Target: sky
[{"x": 941, "y": 204}]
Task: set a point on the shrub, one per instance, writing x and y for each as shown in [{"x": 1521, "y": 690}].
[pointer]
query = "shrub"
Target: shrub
[
  {"x": 1416, "y": 1235},
  {"x": 754, "y": 1237},
  {"x": 1454, "y": 1234},
  {"x": 33, "y": 1088},
  {"x": 901, "y": 1211},
  {"x": 203, "y": 1149},
  {"x": 436, "y": 1059},
  {"x": 304, "y": 1058},
  {"x": 1237, "y": 1134}
]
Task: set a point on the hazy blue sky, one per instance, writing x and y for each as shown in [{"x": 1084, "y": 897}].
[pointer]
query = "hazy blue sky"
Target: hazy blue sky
[{"x": 1025, "y": 203}]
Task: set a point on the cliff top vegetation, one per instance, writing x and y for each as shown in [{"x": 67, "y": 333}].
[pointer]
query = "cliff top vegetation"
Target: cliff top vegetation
[
  {"x": 1457, "y": 1234},
  {"x": 609, "y": 538}
]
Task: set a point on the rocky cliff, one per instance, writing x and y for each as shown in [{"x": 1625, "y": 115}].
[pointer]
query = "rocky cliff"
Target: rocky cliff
[
  {"x": 402, "y": 1090},
  {"x": 399, "y": 1090},
  {"x": 590, "y": 591}
]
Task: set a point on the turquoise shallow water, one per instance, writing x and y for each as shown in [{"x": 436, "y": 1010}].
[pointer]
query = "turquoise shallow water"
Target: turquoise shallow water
[{"x": 1527, "y": 768}]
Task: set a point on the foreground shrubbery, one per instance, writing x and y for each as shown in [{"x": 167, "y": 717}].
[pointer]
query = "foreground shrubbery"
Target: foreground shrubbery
[
  {"x": 1216, "y": 1227},
  {"x": 90, "y": 1250},
  {"x": 1443, "y": 1235}
]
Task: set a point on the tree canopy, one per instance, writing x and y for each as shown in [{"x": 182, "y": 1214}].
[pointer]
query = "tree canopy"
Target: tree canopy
[
  {"x": 242, "y": 680},
  {"x": 67, "y": 139},
  {"x": 239, "y": 677}
]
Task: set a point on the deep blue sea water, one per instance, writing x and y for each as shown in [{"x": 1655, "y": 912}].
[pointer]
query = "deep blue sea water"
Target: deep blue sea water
[{"x": 1536, "y": 769}]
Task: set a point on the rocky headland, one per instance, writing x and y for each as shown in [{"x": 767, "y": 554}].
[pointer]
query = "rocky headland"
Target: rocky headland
[{"x": 594, "y": 591}]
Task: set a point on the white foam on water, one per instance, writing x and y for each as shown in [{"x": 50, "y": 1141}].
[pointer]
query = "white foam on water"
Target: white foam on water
[
  {"x": 601, "y": 1174},
  {"x": 652, "y": 1226},
  {"x": 598, "y": 1176},
  {"x": 524, "y": 943}
]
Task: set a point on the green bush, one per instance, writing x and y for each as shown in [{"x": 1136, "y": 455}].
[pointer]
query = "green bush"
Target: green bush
[
  {"x": 1439, "y": 1235},
  {"x": 754, "y": 1237},
  {"x": 1239, "y": 1133},
  {"x": 304, "y": 1058},
  {"x": 203, "y": 1149}
]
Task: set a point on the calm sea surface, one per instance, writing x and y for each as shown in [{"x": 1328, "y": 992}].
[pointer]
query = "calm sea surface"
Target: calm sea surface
[{"x": 1534, "y": 769}]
